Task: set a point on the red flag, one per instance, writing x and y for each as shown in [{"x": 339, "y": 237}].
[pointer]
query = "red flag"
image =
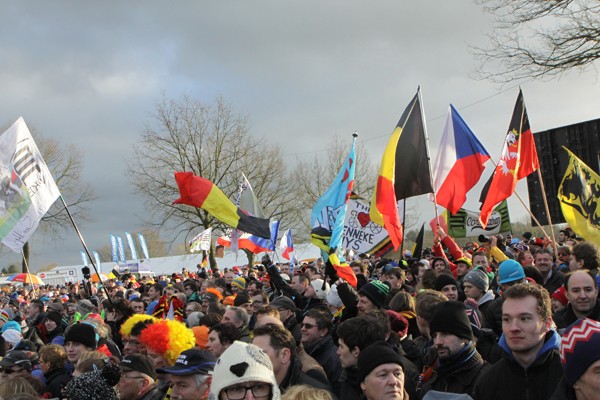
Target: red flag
[{"x": 518, "y": 160}]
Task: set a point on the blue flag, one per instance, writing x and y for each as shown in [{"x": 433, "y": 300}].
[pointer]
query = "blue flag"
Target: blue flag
[
  {"x": 327, "y": 219},
  {"x": 113, "y": 248}
]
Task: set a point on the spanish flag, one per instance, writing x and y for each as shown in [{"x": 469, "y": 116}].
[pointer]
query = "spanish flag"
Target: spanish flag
[
  {"x": 404, "y": 171},
  {"x": 579, "y": 196},
  {"x": 199, "y": 192}
]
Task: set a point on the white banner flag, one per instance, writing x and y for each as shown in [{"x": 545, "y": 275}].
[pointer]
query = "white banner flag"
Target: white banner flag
[
  {"x": 201, "y": 241},
  {"x": 27, "y": 189}
]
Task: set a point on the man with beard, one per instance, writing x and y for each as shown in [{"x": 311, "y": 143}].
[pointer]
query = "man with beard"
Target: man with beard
[{"x": 459, "y": 365}]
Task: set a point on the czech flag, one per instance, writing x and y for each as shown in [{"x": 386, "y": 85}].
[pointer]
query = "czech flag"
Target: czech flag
[
  {"x": 459, "y": 164},
  {"x": 287, "y": 244}
]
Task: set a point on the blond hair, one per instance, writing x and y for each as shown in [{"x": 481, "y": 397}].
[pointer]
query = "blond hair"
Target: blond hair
[{"x": 305, "y": 392}]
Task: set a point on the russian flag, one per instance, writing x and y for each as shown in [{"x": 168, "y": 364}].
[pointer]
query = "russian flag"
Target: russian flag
[
  {"x": 459, "y": 164},
  {"x": 253, "y": 243},
  {"x": 287, "y": 244}
]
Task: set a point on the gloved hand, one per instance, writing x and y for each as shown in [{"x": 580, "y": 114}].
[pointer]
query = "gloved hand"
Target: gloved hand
[{"x": 266, "y": 261}]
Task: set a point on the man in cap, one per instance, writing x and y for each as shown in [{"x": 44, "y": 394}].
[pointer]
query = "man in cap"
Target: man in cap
[
  {"x": 287, "y": 315},
  {"x": 244, "y": 371},
  {"x": 15, "y": 364},
  {"x": 381, "y": 373},
  {"x": 580, "y": 354},
  {"x": 476, "y": 285},
  {"x": 459, "y": 364},
  {"x": 190, "y": 376},
  {"x": 447, "y": 285},
  {"x": 463, "y": 266},
  {"x": 318, "y": 342},
  {"x": 372, "y": 296},
  {"x": 582, "y": 292},
  {"x": 138, "y": 380},
  {"x": 79, "y": 339},
  {"x": 531, "y": 367}
]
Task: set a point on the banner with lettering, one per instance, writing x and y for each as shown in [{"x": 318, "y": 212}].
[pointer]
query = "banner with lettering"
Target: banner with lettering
[
  {"x": 466, "y": 224},
  {"x": 363, "y": 235}
]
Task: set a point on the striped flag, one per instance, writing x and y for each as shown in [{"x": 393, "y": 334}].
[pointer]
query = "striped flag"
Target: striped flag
[
  {"x": 131, "y": 246},
  {"x": 404, "y": 171},
  {"x": 121, "y": 249},
  {"x": 114, "y": 256},
  {"x": 143, "y": 245},
  {"x": 287, "y": 244}
]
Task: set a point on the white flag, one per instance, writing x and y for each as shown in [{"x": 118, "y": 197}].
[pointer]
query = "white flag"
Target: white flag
[
  {"x": 201, "y": 241},
  {"x": 27, "y": 189}
]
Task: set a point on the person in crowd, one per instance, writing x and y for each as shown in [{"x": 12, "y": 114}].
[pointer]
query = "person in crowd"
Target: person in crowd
[
  {"x": 459, "y": 364},
  {"x": 426, "y": 302},
  {"x": 131, "y": 330},
  {"x": 372, "y": 296},
  {"x": 238, "y": 317},
  {"x": 191, "y": 375},
  {"x": 244, "y": 371},
  {"x": 510, "y": 273},
  {"x": 585, "y": 255},
  {"x": 79, "y": 339},
  {"x": 580, "y": 354},
  {"x": 98, "y": 384},
  {"x": 54, "y": 328},
  {"x": 190, "y": 288},
  {"x": 318, "y": 342},
  {"x": 476, "y": 285},
  {"x": 582, "y": 292},
  {"x": 280, "y": 346},
  {"x": 15, "y": 364},
  {"x": 138, "y": 305},
  {"x": 287, "y": 314},
  {"x": 305, "y": 392},
  {"x": 155, "y": 292},
  {"x": 138, "y": 379},
  {"x": 52, "y": 363},
  {"x": 553, "y": 279},
  {"x": 381, "y": 373},
  {"x": 17, "y": 387},
  {"x": 220, "y": 337},
  {"x": 531, "y": 366},
  {"x": 447, "y": 285}
]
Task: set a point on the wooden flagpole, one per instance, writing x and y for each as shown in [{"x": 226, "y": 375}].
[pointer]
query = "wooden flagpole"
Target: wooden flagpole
[{"x": 28, "y": 274}]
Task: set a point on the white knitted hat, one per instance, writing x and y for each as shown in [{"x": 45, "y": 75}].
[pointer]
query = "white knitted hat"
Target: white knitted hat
[
  {"x": 240, "y": 363},
  {"x": 317, "y": 285}
]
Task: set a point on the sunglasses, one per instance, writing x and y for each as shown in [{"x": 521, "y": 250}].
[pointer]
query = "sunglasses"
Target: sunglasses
[
  {"x": 308, "y": 326},
  {"x": 9, "y": 371}
]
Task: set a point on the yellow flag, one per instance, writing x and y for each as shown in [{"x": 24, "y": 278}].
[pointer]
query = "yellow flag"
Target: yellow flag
[{"x": 579, "y": 195}]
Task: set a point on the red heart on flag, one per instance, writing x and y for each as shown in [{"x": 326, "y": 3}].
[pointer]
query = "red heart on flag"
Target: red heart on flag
[{"x": 363, "y": 219}]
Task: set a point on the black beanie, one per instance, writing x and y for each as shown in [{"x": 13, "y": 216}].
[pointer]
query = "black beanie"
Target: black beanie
[
  {"x": 451, "y": 317},
  {"x": 54, "y": 316},
  {"x": 375, "y": 355},
  {"x": 376, "y": 291},
  {"x": 82, "y": 333},
  {"x": 444, "y": 280}
]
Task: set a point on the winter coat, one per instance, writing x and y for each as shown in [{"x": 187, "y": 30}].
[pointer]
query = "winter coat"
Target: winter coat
[
  {"x": 567, "y": 316},
  {"x": 563, "y": 391},
  {"x": 507, "y": 379},
  {"x": 325, "y": 352},
  {"x": 295, "y": 376}
]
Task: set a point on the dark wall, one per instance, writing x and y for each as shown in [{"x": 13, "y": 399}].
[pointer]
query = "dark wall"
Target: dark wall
[{"x": 583, "y": 139}]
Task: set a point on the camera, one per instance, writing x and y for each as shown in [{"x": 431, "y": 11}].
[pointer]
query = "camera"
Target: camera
[
  {"x": 488, "y": 239},
  {"x": 86, "y": 272}
]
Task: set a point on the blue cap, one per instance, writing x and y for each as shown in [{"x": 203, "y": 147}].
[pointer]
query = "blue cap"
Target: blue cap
[{"x": 510, "y": 271}]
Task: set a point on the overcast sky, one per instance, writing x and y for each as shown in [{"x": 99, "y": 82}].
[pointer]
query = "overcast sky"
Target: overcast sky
[{"x": 90, "y": 74}]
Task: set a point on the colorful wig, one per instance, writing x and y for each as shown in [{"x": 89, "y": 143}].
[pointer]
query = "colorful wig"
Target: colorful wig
[
  {"x": 216, "y": 293},
  {"x": 169, "y": 338},
  {"x": 134, "y": 319}
]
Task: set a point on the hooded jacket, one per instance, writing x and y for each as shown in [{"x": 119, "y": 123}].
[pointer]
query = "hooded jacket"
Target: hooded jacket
[{"x": 507, "y": 379}]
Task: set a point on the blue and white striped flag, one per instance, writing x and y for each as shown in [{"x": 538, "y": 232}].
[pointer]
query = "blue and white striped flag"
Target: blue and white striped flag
[
  {"x": 84, "y": 258},
  {"x": 131, "y": 246},
  {"x": 121, "y": 250},
  {"x": 113, "y": 248},
  {"x": 143, "y": 245}
]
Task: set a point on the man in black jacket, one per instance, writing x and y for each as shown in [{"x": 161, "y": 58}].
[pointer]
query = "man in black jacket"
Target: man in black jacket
[
  {"x": 280, "y": 346},
  {"x": 531, "y": 366},
  {"x": 318, "y": 342},
  {"x": 582, "y": 292}
]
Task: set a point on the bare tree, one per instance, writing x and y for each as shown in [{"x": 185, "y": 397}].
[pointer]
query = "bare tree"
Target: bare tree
[
  {"x": 211, "y": 141},
  {"x": 313, "y": 177},
  {"x": 540, "y": 39}
]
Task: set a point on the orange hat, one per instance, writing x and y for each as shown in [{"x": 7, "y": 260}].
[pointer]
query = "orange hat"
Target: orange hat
[
  {"x": 229, "y": 300},
  {"x": 201, "y": 335}
]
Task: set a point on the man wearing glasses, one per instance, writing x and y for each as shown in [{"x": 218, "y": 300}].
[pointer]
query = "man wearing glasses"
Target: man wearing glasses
[
  {"x": 244, "y": 371},
  {"x": 190, "y": 376},
  {"x": 138, "y": 381},
  {"x": 16, "y": 364}
]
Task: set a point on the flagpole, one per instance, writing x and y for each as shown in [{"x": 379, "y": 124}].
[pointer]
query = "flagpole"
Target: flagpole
[
  {"x": 28, "y": 273},
  {"x": 87, "y": 251},
  {"x": 427, "y": 148}
]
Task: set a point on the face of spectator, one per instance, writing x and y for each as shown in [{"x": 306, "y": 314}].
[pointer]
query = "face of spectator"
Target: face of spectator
[
  {"x": 157, "y": 359},
  {"x": 285, "y": 269},
  {"x": 543, "y": 262},
  {"x": 310, "y": 331},
  {"x": 357, "y": 270},
  {"x": 588, "y": 385},
  {"x": 153, "y": 294},
  {"x": 229, "y": 277},
  {"x": 258, "y": 302},
  {"x": 296, "y": 285},
  {"x": 12, "y": 372},
  {"x": 523, "y": 327},
  {"x": 138, "y": 307},
  {"x": 561, "y": 237},
  {"x": 480, "y": 260},
  {"x": 461, "y": 269},
  {"x": 574, "y": 264},
  {"x": 50, "y": 325},
  {"x": 230, "y": 318},
  {"x": 186, "y": 387},
  {"x": 447, "y": 345},
  {"x": 582, "y": 293},
  {"x": 393, "y": 280},
  {"x": 527, "y": 260},
  {"x": 252, "y": 287},
  {"x": 386, "y": 382},
  {"x": 472, "y": 291},
  {"x": 32, "y": 311},
  {"x": 279, "y": 358},
  {"x": 214, "y": 344},
  {"x": 450, "y": 291},
  {"x": 564, "y": 256},
  {"x": 364, "y": 304},
  {"x": 557, "y": 306},
  {"x": 348, "y": 357},
  {"x": 439, "y": 266},
  {"x": 132, "y": 345},
  {"x": 74, "y": 351},
  {"x": 130, "y": 385}
]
